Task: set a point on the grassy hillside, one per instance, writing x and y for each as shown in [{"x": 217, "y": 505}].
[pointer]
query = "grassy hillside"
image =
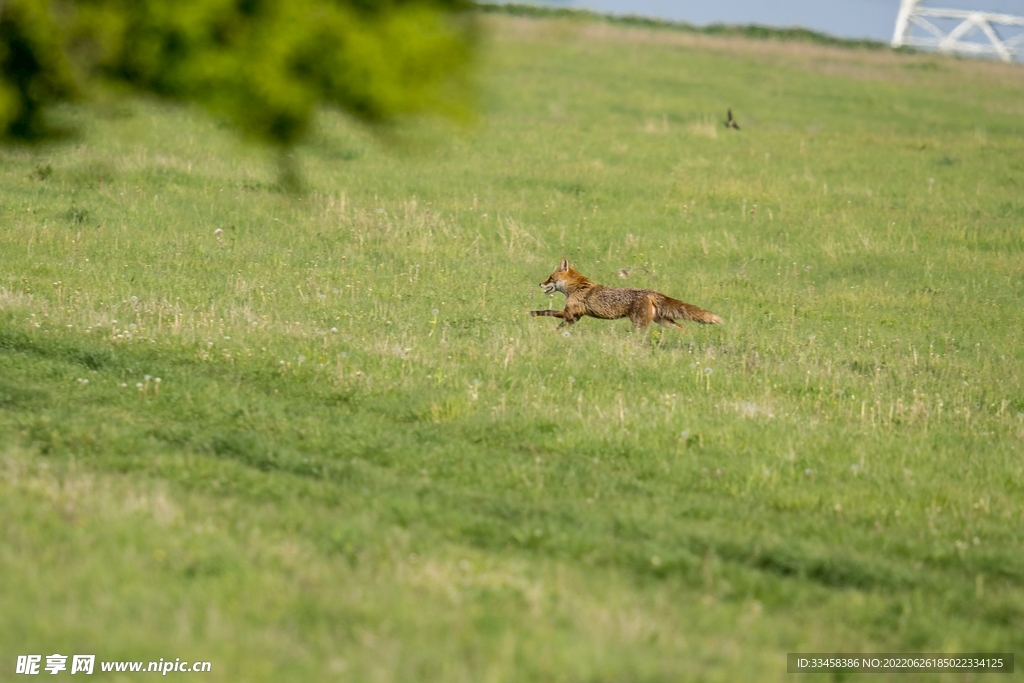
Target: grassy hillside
[{"x": 319, "y": 438}]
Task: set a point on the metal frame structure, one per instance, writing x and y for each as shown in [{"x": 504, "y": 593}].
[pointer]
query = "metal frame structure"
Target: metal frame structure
[{"x": 912, "y": 14}]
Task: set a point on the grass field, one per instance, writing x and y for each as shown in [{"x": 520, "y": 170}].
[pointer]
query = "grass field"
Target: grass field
[{"x": 320, "y": 438}]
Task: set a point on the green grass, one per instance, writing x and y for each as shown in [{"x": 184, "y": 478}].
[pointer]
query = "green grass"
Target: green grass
[{"x": 364, "y": 461}]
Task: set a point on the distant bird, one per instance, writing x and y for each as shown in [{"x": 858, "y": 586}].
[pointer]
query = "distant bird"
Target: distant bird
[
  {"x": 731, "y": 122},
  {"x": 626, "y": 272}
]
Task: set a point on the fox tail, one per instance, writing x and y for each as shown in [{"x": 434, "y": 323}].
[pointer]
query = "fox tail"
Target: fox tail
[{"x": 673, "y": 308}]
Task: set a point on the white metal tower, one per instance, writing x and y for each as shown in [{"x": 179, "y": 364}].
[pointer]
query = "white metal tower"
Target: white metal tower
[{"x": 965, "y": 25}]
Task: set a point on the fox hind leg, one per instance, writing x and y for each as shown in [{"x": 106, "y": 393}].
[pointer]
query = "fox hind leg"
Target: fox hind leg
[
  {"x": 669, "y": 322},
  {"x": 644, "y": 313}
]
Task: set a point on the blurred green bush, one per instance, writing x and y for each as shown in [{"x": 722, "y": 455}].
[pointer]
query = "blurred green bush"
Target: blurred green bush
[{"x": 264, "y": 65}]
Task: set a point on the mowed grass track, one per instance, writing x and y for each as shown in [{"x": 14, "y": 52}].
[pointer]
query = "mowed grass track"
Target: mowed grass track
[{"x": 364, "y": 461}]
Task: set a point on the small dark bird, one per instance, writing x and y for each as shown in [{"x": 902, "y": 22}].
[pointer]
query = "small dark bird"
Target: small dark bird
[{"x": 731, "y": 122}]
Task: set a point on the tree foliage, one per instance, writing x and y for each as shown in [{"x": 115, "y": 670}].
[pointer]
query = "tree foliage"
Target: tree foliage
[
  {"x": 265, "y": 65},
  {"x": 34, "y": 70}
]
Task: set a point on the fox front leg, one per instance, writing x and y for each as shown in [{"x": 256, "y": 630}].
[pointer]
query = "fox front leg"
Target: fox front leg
[{"x": 565, "y": 315}]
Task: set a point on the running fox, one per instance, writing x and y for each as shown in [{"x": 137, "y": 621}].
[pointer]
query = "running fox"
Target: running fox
[{"x": 641, "y": 306}]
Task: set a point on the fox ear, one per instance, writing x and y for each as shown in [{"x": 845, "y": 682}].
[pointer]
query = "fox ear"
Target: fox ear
[{"x": 564, "y": 265}]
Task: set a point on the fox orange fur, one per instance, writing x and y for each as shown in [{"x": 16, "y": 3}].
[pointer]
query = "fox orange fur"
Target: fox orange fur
[{"x": 641, "y": 306}]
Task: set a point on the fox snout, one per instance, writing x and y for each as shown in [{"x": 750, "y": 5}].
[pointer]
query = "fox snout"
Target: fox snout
[{"x": 548, "y": 287}]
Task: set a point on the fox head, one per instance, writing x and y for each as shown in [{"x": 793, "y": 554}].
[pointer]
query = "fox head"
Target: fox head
[{"x": 562, "y": 279}]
